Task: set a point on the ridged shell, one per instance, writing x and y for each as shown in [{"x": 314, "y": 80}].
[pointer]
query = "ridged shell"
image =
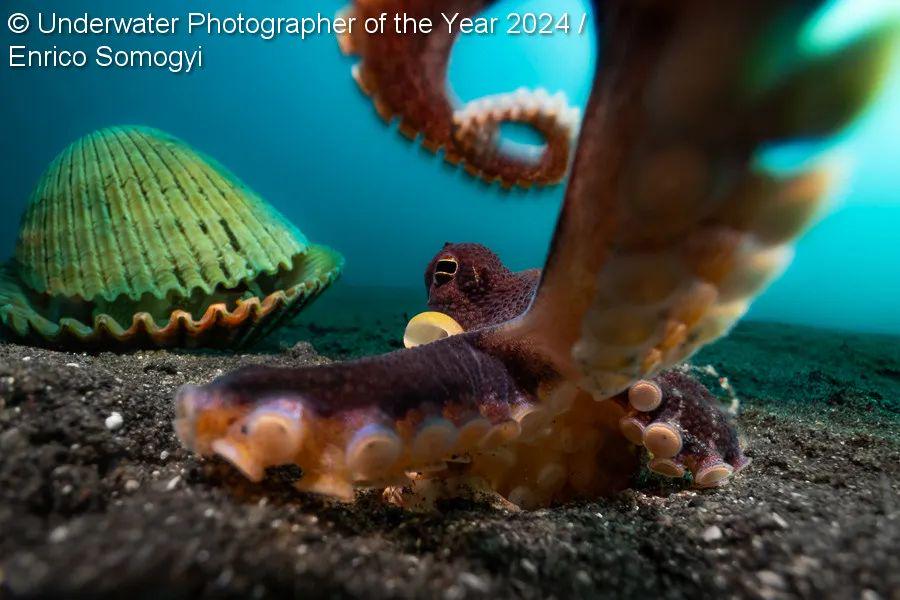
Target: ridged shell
[
  {"x": 131, "y": 236},
  {"x": 131, "y": 211}
]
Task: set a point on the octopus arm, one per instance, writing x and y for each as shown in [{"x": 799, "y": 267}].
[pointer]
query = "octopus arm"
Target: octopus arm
[
  {"x": 405, "y": 74},
  {"x": 670, "y": 224},
  {"x": 367, "y": 423}
]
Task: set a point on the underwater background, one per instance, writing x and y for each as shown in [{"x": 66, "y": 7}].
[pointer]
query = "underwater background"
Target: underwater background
[{"x": 287, "y": 118}]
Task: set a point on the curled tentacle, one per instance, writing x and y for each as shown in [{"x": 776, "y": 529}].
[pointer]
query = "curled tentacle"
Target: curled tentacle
[
  {"x": 405, "y": 74},
  {"x": 677, "y": 419},
  {"x": 478, "y": 142}
]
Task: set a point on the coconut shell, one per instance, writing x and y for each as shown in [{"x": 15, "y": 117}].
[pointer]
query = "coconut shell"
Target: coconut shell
[{"x": 133, "y": 238}]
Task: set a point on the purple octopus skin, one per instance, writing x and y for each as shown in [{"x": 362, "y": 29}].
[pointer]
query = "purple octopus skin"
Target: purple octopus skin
[
  {"x": 687, "y": 430},
  {"x": 459, "y": 373},
  {"x": 469, "y": 283},
  {"x": 669, "y": 227},
  {"x": 708, "y": 441}
]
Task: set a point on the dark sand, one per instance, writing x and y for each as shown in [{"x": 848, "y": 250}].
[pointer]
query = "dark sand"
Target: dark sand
[{"x": 85, "y": 510}]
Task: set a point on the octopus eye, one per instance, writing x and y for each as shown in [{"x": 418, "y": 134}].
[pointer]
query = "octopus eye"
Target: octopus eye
[{"x": 445, "y": 270}]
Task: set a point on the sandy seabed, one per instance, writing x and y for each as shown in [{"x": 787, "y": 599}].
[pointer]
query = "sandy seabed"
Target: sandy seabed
[{"x": 91, "y": 509}]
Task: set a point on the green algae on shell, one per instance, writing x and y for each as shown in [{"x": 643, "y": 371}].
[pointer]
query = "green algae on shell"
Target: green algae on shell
[{"x": 132, "y": 238}]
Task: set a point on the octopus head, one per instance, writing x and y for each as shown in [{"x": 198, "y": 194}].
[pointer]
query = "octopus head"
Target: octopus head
[
  {"x": 460, "y": 274},
  {"x": 249, "y": 432}
]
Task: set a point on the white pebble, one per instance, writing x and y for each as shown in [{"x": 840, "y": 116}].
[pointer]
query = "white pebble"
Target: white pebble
[
  {"x": 131, "y": 485},
  {"x": 114, "y": 421},
  {"x": 772, "y": 579},
  {"x": 164, "y": 455},
  {"x": 529, "y": 566},
  {"x": 474, "y": 582},
  {"x": 59, "y": 534},
  {"x": 711, "y": 534},
  {"x": 173, "y": 483},
  {"x": 709, "y": 370}
]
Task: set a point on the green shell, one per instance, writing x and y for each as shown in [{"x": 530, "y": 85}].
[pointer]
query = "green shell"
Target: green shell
[{"x": 133, "y": 237}]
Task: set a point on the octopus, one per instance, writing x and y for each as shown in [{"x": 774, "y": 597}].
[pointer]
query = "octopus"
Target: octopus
[{"x": 546, "y": 382}]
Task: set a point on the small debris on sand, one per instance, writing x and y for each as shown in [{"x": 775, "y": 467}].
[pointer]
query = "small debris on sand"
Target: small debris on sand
[
  {"x": 114, "y": 421},
  {"x": 711, "y": 534}
]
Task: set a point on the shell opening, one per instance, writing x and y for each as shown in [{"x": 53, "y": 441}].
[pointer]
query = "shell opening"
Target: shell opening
[
  {"x": 428, "y": 327},
  {"x": 153, "y": 321}
]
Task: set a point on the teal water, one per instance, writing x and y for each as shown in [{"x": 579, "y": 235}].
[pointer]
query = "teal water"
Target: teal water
[{"x": 288, "y": 119}]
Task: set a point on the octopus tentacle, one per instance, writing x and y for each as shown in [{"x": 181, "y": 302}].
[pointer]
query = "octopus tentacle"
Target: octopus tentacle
[
  {"x": 685, "y": 429},
  {"x": 671, "y": 224},
  {"x": 368, "y": 422},
  {"x": 478, "y": 145},
  {"x": 405, "y": 74}
]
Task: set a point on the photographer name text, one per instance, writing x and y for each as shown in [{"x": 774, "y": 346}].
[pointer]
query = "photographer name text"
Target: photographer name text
[{"x": 57, "y": 41}]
